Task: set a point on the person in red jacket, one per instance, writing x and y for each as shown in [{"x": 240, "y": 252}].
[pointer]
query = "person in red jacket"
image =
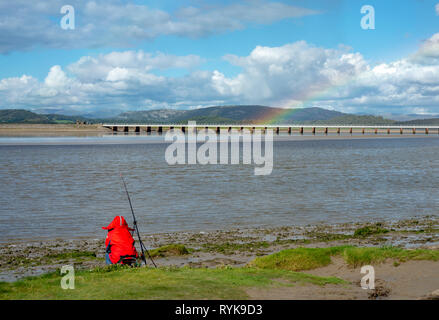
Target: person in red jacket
[{"x": 119, "y": 242}]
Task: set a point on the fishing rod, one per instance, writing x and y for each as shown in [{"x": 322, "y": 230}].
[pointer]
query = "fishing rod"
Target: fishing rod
[{"x": 142, "y": 246}]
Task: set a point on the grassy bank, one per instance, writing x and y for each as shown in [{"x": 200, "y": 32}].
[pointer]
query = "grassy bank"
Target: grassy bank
[
  {"x": 310, "y": 258},
  {"x": 162, "y": 283},
  {"x": 280, "y": 269}
]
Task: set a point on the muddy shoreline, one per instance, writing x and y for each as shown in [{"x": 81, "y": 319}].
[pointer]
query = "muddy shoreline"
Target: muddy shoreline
[
  {"x": 221, "y": 247},
  {"x": 411, "y": 279},
  {"x": 51, "y": 130}
]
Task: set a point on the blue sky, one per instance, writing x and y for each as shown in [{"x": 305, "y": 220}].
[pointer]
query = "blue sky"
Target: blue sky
[{"x": 138, "y": 55}]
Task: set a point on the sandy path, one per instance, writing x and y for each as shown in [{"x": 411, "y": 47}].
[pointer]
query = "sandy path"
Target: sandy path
[{"x": 410, "y": 280}]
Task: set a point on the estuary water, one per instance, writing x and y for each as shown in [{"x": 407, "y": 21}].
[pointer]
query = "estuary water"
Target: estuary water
[{"x": 63, "y": 188}]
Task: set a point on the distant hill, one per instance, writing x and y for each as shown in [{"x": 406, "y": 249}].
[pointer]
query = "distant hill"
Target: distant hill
[
  {"x": 24, "y": 116},
  {"x": 230, "y": 114},
  {"x": 21, "y": 116},
  {"x": 420, "y": 122},
  {"x": 350, "y": 119},
  {"x": 163, "y": 115},
  {"x": 248, "y": 114},
  {"x": 245, "y": 114}
]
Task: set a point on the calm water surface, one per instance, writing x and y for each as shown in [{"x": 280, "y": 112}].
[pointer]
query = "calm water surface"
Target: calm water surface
[{"x": 70, "y": 187}]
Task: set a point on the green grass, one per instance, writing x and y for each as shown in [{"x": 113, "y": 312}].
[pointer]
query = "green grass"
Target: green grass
[
  {"x": 275, "y": 270},
  {"x": 310, "y": 258},
  {"x": 370, "y": 230},
  {"x": 229, "y": 247},
  {"x": 297, "y": 259},
  {"x": 162, "y": 283},
  {"x": 72, "y": 254},
  {"x": 360, "y": 256},
  {"x": 327, "y": 237},
  {"x": 169, "y": 250}
]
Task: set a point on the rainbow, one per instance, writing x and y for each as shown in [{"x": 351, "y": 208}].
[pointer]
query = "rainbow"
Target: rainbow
[{"x": 299, "y": 101}]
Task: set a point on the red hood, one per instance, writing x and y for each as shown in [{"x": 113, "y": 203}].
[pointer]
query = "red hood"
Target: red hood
[{"x": 118, "y": 222}]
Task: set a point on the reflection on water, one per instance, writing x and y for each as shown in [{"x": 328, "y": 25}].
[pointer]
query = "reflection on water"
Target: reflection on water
[{"x": 70, "y": 187}]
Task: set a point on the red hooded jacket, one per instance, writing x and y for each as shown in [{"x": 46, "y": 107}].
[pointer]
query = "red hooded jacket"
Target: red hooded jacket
[{"x": 119, "y": 242}]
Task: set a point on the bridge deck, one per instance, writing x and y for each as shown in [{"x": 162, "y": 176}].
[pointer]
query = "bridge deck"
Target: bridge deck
[{"x": 262, "y": 126}]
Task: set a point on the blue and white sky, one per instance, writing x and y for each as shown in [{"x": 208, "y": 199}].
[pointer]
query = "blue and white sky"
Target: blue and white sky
[{"x": 140, "y": 55}]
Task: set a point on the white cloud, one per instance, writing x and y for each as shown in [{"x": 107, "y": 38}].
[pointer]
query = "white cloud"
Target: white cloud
[
  {"x": 56, "y": 78},
  {"x": 134, "y": 63},
  {"x": 428, "y": 53},
  {"x": 117, "y": 74},
  {"x": 437, "y": 9},
  {"x": 293, "y": 75},
  {"x": 218, "y": 18},
  {"x": 113, "y": 23}
]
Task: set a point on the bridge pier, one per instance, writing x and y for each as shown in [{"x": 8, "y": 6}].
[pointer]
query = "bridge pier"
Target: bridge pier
[{"x": 324, "y": 129}]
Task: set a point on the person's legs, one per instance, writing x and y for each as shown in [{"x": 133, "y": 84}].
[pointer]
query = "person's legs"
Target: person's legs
[
  {"x": 107, "y": 253},
  {"x": 107, "y": 259}
]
